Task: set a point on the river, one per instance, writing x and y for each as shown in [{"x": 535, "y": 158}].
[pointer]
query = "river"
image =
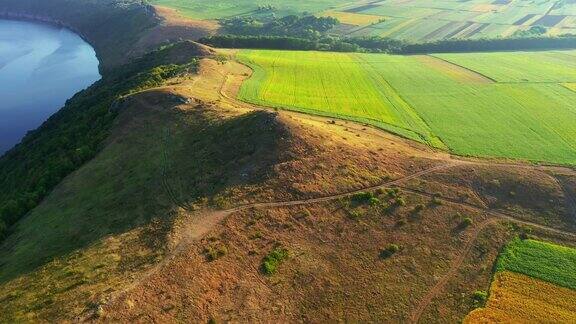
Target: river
[{"x": 41, "y": 66}]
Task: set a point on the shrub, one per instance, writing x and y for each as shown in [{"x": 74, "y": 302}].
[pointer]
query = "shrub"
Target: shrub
[
  {"x": 418, "y": 208},
  {"x": 436, "y": 201},
  {"x": 215, "y": 252},
  {"x": 374, "y": 201},
  {"x": 479, "y": 297},
  {"x": 271, "y": 261},
  {"x": 400, "y": 201},
  {"x": 389, "y": 251},
  {"x": 392, "y": 192},
  {"x": 466, "y": 222},
  {"x": 353, "y": 214},
  {"x": 256, "y": 236},
  {"x": 362, "y": 197}
]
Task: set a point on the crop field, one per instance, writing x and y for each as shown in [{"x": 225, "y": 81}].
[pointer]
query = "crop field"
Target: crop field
[
  {"x": 460, "y": 102},
  {"x": 545, "y": 261},
  {"x": 414, "y": 20},
  {"x": 355, "y": 19},
  {"x": 519, "y": 66},
  {"x": 516, "y": 298},
  {"x": 535, "y": 282},
  {"x": 202, "y": 9}
]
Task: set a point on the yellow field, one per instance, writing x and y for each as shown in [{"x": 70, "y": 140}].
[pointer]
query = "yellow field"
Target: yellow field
[
  {"x": 571, "y": 86},
  {"x": 485, "y": 7},
  {"x": 516, "y": 298},
  {"x": 353, "y": 18},
  {"x": 454, "y": 71}
]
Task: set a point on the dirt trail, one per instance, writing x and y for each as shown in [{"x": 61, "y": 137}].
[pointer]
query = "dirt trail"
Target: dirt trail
[
  {"x": 386, "y": 184},
  {"x": 569, "y": 198},
  {"x": 454, "y": 266}
]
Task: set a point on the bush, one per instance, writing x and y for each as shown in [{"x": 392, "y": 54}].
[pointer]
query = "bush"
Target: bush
[
  {"x": 392, "y": 193},
  {"x": 418, "y": 208},
  {"x": 215, "y": 252},
  {"x": 374, "y": 201},
  {"x": 466, "y": 222},
  {"x": 362, "y": 197},
  {"x": 480, "y": 297},
  {"x": 389, "y": 251},
  {"x": 353, "y": 214},
  {"x": 400, "y": 202},
  {"x": 436, "y": 201},
  {"x": 271, "y": 261}
]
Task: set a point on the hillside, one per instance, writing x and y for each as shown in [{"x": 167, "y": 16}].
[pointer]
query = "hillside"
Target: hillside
[
  {"x": 193, "y": 184},
  {"x": 192, "y": 190}
]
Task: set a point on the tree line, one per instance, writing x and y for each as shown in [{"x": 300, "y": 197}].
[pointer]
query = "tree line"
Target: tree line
[{"x": 390, "y": 46}]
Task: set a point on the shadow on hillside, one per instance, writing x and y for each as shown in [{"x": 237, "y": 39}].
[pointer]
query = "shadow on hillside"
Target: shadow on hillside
[{"x": 158, "y": 158}]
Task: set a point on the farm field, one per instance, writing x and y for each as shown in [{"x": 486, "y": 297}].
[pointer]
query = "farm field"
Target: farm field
[
  {"x": 545, "y": 261},
  {"x": 534, "y": 282},
  {"x": 201, "y": 9},
  {"x": 415, "y": 20},
  {"x": 455, "y": 101},
  {"x": 516, "y": 298}
]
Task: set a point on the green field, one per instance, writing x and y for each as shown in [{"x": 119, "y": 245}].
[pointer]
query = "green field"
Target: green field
[
  {"x": 549, "y": 262},
  {"x": 527, "y": 116},
  {"x": 415, "y": 20}
]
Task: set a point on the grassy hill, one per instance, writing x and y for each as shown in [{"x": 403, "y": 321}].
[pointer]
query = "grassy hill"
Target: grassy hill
[
  {"x": 146, "y": 227},
  {"x": 76, "y": 133}
]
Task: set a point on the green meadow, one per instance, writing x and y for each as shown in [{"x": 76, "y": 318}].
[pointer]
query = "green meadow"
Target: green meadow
[
  {"x": 497, "y": 105},
  {"x": 549, "y": 262}
]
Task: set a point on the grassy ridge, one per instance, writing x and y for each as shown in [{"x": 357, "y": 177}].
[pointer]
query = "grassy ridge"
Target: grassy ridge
[
  {"x": 549, "y": 262},
  {"x": 428, "y": 99}
]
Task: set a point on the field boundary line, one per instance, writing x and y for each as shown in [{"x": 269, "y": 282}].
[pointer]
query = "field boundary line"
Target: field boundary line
[
  {"x": 453, "y": 269},
  {"x": 463, "y": 67},
  {"x": 413, "y": 111}
]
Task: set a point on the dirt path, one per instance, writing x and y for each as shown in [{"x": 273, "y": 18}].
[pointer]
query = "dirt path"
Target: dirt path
[
  {"x": 452, "y": 271},
  {"x": 386, "y": 184},
  {"x": 569, "y": 198}
]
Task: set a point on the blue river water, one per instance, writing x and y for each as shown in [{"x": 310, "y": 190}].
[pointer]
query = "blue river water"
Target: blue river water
[{"x": 41, "y": 66}]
